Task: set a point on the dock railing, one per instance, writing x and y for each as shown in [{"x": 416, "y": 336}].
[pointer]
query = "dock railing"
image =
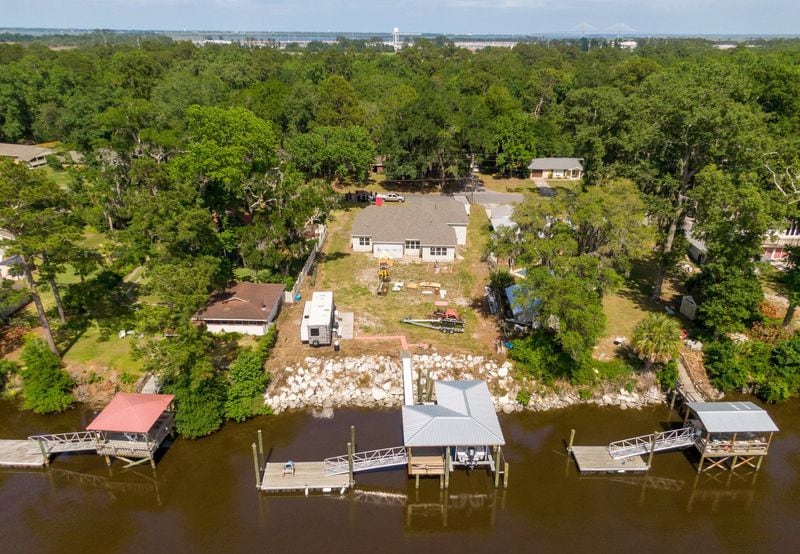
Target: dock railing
[
  {"x": 365, "y": 461},
  {"x": 66, "y": 442},
  {"x": 636, "y": 446}
]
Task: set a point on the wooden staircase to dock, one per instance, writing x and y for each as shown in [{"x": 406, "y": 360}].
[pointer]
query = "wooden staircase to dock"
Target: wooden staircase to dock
[
  {"x": 367, "y": 460},
  {"x": 655, "y": 442}
]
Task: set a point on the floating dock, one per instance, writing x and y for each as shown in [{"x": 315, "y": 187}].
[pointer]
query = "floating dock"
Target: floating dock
[
  {"x": 20, "y": 453},
  {"x": 307, "y": 476},
  {"x": 597, "y": 459}
]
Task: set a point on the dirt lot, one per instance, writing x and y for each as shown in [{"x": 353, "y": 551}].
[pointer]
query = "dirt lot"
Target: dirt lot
[{"x": 354, "y": 279}]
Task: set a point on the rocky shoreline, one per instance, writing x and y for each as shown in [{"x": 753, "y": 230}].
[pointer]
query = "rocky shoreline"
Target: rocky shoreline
[{"x": 322, "y": 384}]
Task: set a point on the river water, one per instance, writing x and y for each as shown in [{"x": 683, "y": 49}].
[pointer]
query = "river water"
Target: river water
[{"x": 202, "y": 496}]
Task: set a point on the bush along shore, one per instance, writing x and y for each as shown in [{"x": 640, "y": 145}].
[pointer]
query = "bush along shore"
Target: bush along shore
[{"x": 323, "y": 384}]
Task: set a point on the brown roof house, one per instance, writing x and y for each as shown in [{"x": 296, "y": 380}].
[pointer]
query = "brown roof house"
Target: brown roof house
[
  {"x": 247, "y": 308},
  {"x": 429, "y": 228}
]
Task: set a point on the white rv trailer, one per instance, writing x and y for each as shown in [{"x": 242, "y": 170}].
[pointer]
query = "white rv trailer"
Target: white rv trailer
[{"x": 317, "y": 326}]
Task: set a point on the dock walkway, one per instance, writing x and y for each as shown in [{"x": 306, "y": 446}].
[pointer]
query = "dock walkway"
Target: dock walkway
[
  {"x": 307, "y": 476},
  {"x": 20, "y": 453},
  {"x": 597, "y": 459}
]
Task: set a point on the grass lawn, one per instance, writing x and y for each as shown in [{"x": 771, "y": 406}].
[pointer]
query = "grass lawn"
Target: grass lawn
[
  {"x": 505, "y": 184},
  {"x": 631, "y": 304},
  {"x": 61, "y": 177},
  {"x": 94, "y": 349},
  {"x": 515, "y": 184}
]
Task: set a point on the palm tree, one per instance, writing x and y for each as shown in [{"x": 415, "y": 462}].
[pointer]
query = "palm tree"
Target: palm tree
[{"x": 656, "y": 339}]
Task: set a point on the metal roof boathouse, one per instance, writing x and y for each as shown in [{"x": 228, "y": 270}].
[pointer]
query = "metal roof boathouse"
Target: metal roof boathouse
[
  {"x": 132, "y": 427},
  {"x": 460, "y": 430},
  {"x": 739, "y": 433}
]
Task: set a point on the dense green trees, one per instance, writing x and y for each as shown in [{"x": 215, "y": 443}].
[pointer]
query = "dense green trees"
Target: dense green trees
[
  {"x": 37, "y": 213},
  {"x": 46, "y": 386},
  {"x": 204, "y": 161},
  {"x": 576, "y": 248}
]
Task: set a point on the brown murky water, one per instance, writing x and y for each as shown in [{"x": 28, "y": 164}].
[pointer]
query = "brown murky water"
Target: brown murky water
[{"x": 202, "y": 496}]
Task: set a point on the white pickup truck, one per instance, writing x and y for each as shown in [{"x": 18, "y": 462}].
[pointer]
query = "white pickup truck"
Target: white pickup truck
[{"x": 392, "y": 197}]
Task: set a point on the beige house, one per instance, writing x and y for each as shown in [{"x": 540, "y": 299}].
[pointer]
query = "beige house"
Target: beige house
[
  {"x": 556, "y": 168},
  {"x": 34, "y": 156},
  {"x": 429, "y": 228}
]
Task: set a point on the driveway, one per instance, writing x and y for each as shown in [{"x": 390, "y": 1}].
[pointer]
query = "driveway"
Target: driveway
[{"x": 495, "y": 198}]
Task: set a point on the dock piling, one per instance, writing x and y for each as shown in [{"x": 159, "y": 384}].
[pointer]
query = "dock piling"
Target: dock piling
[
  {"x": 505, "y": 476},
  {"x": 351, "y": 481},
  {"x": 260, "y": 449},
  {"x": 255, "y": 465},
  {"x": 45, "y": 457},
  {"x": 571, "y": 440},
  {"x": 652, "y": 450},
  {"x": 353, "y": 437}
]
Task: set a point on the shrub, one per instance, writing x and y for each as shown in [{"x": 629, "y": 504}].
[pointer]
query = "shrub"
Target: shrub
[
  {"x": 668, "y": 376},
  {"x": 524, "y": 397},
  {"x": 538, "y": 356},
  {"x": 46, "y": 386},
  {"x": 127, "y": 378},
  {"x": 248, "y": 382},
  {"x": 268, "y": 342},
  {"x": 199, "y": 408},
  {"x": 7, "y": 368},
  {"x": 724, "y": 366}
]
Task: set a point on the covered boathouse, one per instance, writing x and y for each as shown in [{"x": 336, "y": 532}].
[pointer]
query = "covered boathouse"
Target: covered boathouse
[
  {"x": 460, "y": 430},
  {"x": 132, "y": 427},
  {"x": 736, "y": 433}
]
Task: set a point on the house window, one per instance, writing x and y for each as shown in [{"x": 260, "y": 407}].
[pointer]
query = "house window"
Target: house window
[
  {"x": 364, "y": 241},
  {"x": 438, "y": 251},
  {"x": 412, "y": 245},
  {"x": 313, "y": 332}
]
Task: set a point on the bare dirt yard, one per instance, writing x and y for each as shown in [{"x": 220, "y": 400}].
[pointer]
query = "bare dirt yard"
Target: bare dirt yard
[{"x": 353, "y": 277}]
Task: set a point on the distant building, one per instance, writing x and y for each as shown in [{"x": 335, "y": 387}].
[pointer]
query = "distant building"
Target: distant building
[
  {"x": 7, "y": 262},
  {"x": 246, "y": 308},
  {"x": 628, "y": 45},
  {"x": 34, "y": 156},
  {"x": 429, "y": 228},
  {"x": 556, "y": 168},
  {"x": 776, "y": 244}
]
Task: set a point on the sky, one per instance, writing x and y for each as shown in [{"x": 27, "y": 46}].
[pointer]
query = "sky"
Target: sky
[{"x": 427, "y": 16}]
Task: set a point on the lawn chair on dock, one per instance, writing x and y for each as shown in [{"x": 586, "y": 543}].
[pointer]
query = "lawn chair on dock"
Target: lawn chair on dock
[{"x": 288, "y": 468}]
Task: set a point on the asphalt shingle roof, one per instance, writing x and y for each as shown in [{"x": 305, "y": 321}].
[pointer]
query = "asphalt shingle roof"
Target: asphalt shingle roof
[
  {"x": 423, "y": 218},
  {"x": 556, "y": 163},
  {"x": 243, "y": 301}
]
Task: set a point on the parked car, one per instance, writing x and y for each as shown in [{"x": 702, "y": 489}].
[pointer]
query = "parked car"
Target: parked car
[{"x": 392, "y": 197}]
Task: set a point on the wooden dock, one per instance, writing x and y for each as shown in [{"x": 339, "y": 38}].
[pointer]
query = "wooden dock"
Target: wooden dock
[
  {"x": 596, "y": 459},
  {"x": 307, "y": 476},
  {"x": 20, "y": 453}
]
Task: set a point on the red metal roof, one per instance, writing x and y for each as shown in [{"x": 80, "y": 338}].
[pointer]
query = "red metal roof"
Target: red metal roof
[{"x": 131, "y": 413}]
